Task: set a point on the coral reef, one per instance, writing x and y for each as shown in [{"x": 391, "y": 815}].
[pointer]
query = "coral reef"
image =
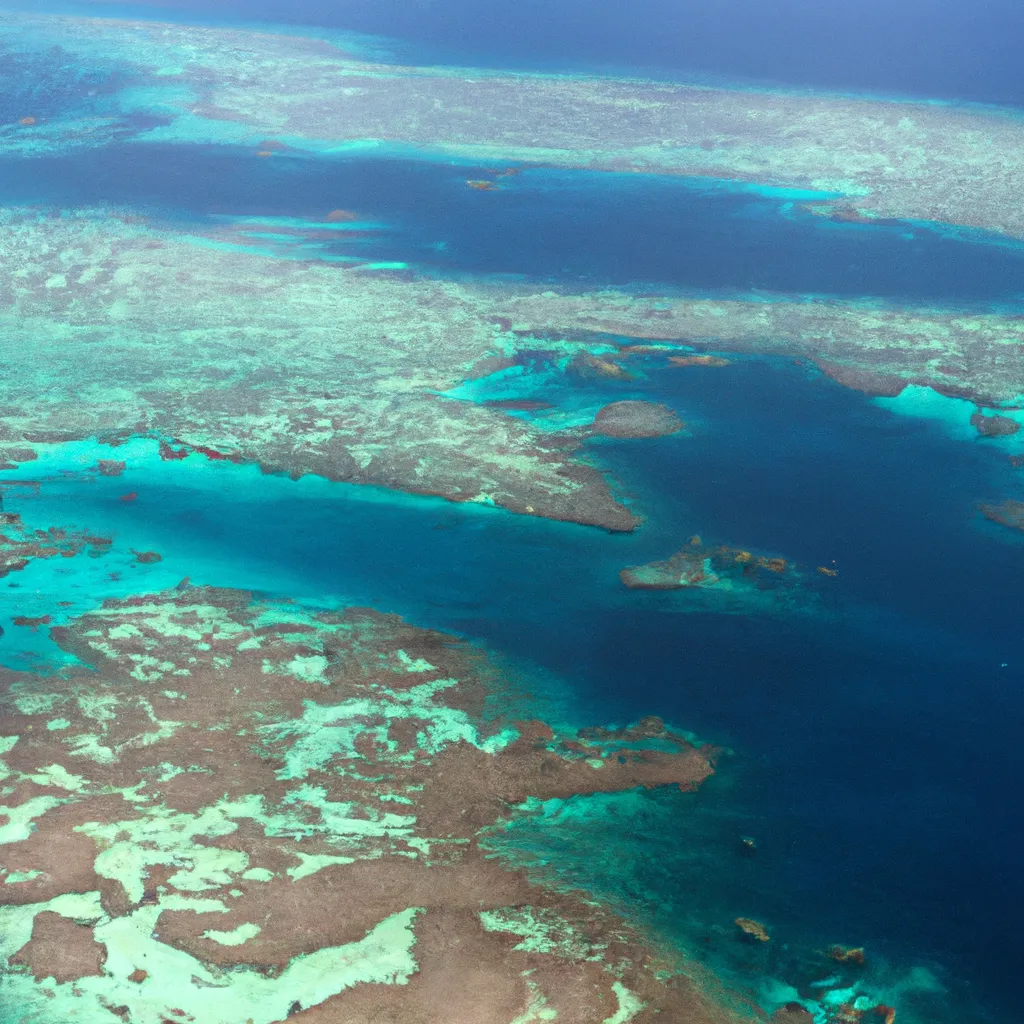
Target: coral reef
[
  {"x": 636, "y": 419},
  {"x": 699, "y": 565},
  {"x": 751, "y": 929},
  {"x": 847, "y": 954},
  {"x": 259, "y": 811},
  {"x": 19, "y": 545},
  {"x": 307, "y": 368},
  {"x": 1007, "y": 513},
  {"x": 868, "y": 158},
  {"x": 792, "y": 1013},
  {"x": 995, "y": 425}
]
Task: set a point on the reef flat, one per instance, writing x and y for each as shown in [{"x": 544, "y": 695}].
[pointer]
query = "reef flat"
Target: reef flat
[
  {"x": 238, "y": 810},
  {"x": 864, "y": 158},
  {"x": 113, "y": 327}
]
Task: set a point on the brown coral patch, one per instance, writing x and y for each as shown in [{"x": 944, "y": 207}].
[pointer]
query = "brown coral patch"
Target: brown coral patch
[
  {"x": 1007, "y": 513},
  {"x": 870, "y": 382},
  {"x": 591, "y": 367},
  {"x": 60, "y": 949},
  {"x": 637, "y": 419},
  {"x": 995, "y": 425}
]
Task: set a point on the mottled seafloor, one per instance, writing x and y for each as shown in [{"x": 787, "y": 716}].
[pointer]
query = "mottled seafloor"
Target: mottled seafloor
[{"x": 487, "y": 548}]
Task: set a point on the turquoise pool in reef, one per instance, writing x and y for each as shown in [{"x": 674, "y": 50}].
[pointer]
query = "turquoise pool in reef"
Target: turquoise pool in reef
[{"x": 866, "y": 695}]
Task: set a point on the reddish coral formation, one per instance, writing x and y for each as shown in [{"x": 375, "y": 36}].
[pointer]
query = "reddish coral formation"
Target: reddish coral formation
[
  {"x": 147, "y": 557},
  {"x": 26, "y": 121},
  {"x": 1016, "y": 461},
  {"x": 31, "y": 621},
  {"x": 130, "y": 496},
  {"x": 846, "y": 955},
  {"x": 751, "y": 929},
  {"x": 636, "y": 419},
  {"x": 216, "y": 456},
  {"x": 826, "y": 570},
  {"x": 868, "y": 381},
  {"x": 61, "y": 949},
  {"x": 110, "y": 467},
  {"x": 19, "y": 545},
  {"x": 482, "y": 185},
  {"x": 697, "y": 361},
  {"x": 1008, "y": 513},
  {"x": 591, "y": 367},
  {"x": 340, "y": 216},
  {"x": 994, "y": 426},
  {"x": 168, "y": 453}
]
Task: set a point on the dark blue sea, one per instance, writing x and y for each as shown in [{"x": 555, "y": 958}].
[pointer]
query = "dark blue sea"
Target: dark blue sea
[{"x": 873, "y": 737}]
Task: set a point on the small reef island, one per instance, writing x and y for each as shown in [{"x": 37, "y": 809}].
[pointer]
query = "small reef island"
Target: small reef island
[{"x": 240, "y": 798}]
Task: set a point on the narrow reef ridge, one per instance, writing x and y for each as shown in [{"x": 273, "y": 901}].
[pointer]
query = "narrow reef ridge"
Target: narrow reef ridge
[{"x": 249, "y": 811}]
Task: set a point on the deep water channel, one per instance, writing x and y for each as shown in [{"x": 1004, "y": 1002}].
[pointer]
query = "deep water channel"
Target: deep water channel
[
  {"x": 582, "y": 229},
  {"x": 875, "y": 728}
]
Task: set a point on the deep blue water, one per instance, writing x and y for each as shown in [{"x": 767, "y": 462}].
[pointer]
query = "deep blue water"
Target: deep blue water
[
  {"x": 583, "y": 228},
  {"x": 951, "y": 49}
]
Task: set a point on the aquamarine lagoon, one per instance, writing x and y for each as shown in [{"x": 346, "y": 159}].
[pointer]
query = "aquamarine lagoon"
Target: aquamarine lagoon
[{"x": 490, "y": 545}]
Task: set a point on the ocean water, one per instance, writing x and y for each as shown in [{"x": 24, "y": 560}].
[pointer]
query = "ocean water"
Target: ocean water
[
  {"x": 947, "y": 49},
  {"x": 873, "y": 729}
]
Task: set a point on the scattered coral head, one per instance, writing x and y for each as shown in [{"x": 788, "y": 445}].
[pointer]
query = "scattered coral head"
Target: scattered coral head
[
  {"x": 752, "y": 929},
  {"x": 846, "y": 954},
  {"x": 1008, "y": 513},
  {"x": 995, "y": 425}
]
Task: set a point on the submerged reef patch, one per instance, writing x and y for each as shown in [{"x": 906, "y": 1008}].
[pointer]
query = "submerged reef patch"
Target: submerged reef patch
[
  {"x": 636, "y": 419},
  {"x": 1006, "y": 513},
  {"x": 254, "y": 810},
  {"x": 20, "y": 545},
  {"x": 728, "y": 577}
]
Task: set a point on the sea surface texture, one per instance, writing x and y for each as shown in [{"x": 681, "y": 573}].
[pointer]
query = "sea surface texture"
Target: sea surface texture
[{"x": 511, "y": 513}]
